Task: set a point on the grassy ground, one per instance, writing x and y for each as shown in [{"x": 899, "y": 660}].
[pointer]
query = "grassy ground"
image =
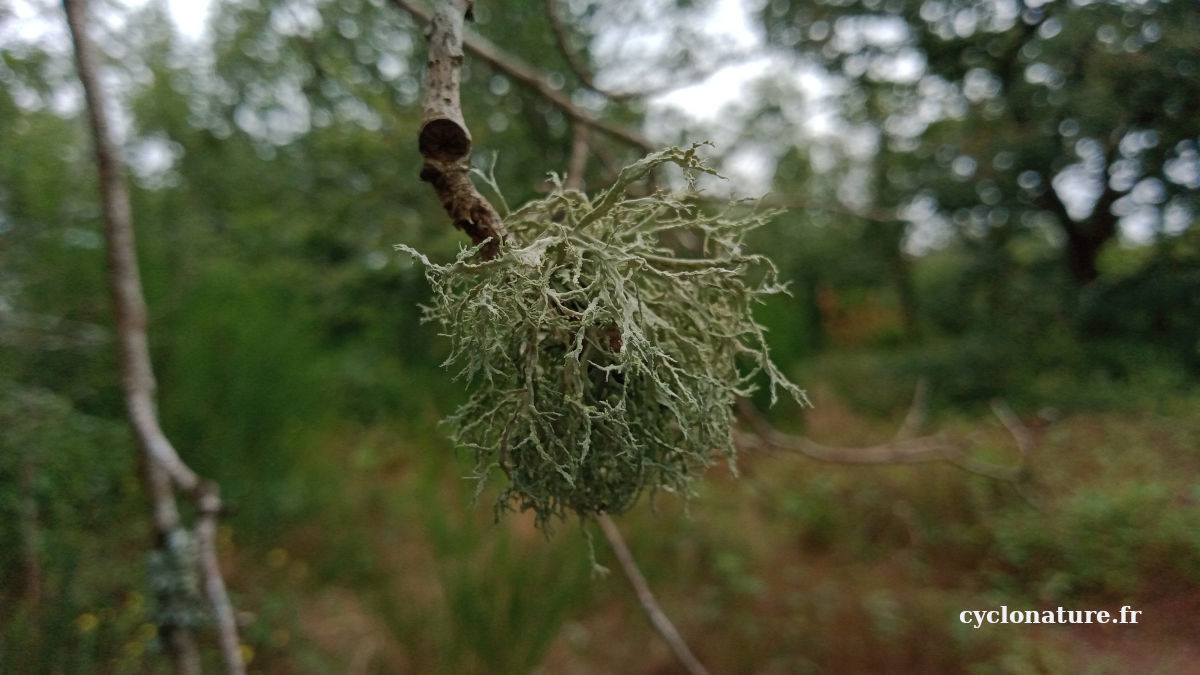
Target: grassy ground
[{"x": 792, "y": 567}]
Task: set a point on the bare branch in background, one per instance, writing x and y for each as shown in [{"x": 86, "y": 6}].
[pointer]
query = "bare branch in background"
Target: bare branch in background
[
  {"x": 1020, "y": 433},
  {"x": 532, "y": 79},
  {"x": 914, "y": 419},
  {"x": 162, "y": 469},
  {"x": 677, "y": 79},
  {"x": 650, "y": 605},
  {"x": 904, "y": 449},
  {"x": 562, "y": 38},
  {"x": 876, "y": 215}
]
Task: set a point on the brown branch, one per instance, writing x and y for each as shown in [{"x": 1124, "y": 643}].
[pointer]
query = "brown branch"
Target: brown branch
[
  {"x": 902, "y": 450},
  {"x": 531, "y": 78},
  {"x": 914, "y": 419},
  {"x": 562, "y": 38},
  {"x": 875, "y": 215},
  {"x": 1026, "y": 443},
  {"x": 161, "y": 467},
  {"x": 445, "y": 141},
  {"x": 650, "y": 605},
  {"x": 677, "y": 79}
]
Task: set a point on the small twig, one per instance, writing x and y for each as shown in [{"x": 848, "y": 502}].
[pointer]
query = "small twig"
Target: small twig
[
  {"x": 214, "y": 582},
  {"x": 675, "y": 79},
  {"x": 562, "y": 39},
  {"x": 445, "y": 141},
  {"x": 789, "y": 202},
  {"x": 650, "y": 605},
  {"x": 1020, "y": 433},
  {"x": 917, "y": 411}
]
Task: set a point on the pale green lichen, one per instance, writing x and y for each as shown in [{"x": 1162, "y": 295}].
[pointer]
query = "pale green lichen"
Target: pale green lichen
[{"x": 600, "y": 361}]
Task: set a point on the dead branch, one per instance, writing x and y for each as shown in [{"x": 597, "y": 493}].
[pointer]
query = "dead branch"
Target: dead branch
[
  {"x": 675, "y": 79},
  {"x": 532, "y": 79},
  {"x": 790, "y": 202},
  {"x": 650, "y": 605},
  {"x": 562, "y": 39},
  {"x": 904, "y": 449},
  {"x": 1020, "y": 433},
  {"x": 914, "y": 419},
  {"x": 162, "y": 469},
  {"x": 445, "y": 141}
]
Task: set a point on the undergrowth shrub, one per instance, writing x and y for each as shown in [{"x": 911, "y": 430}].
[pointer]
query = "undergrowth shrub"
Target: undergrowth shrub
[{"x": 1121, "y": 541}]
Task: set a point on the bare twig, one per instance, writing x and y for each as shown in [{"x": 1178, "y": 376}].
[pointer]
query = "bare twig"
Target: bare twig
[
  {"x": 875, "y": 215},
  {"x": 532, "y": 79},
  {"x": 162, "y": 469},
  {"x": 909, "y": 451},
  {"x": 677, "y": 80},
  {"x": 650, "y": 605},
  {"x": 444, "y": 139},
  {"x": 562, "y": 38},
  {"x": 214, "y": 584},
  {"x": 914, "y": 419},
  {"x": 674, "y": 80},
  {"x": 1020, "y": 433},
  {"x": 902, "y": 450}
]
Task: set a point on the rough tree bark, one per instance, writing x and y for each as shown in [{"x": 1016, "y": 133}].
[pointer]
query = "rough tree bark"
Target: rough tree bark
[{"x": 163, "y": 471}]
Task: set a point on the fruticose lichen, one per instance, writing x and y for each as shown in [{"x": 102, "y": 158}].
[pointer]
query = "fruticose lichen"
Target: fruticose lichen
[{"x": 602, "y": 362}]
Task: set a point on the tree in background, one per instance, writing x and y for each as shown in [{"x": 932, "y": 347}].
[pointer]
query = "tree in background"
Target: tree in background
[
  {"x": 184, "y": 563},
  {"x": 276, "y": 168},
  {"x": 1063, "y": 118}
]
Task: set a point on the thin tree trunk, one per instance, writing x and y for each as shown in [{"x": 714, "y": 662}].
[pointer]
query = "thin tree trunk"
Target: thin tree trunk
[{"x": 162, "y": 470}]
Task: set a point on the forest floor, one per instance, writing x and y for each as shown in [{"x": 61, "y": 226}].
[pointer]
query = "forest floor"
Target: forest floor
[{"x": 794, "y": 566}]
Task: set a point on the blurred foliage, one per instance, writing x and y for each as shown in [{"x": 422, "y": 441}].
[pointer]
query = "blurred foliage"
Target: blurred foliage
[
  {"x": 70, "y": 605},
  {"x": 933, "y": 235},
  {"x": 1013, "y": 118}
]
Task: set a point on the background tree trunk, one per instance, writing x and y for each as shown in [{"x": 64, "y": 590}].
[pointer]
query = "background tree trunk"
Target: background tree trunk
[{"x": 161, "y": 467}]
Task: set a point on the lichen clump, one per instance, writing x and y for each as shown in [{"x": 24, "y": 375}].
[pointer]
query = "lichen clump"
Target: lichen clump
[{"x": 600, "y": 361}]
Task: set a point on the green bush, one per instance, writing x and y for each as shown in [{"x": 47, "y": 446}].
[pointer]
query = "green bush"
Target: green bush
[
  {"x": 65, "y": 476},
  {"x": 1127, "y": 540}
]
